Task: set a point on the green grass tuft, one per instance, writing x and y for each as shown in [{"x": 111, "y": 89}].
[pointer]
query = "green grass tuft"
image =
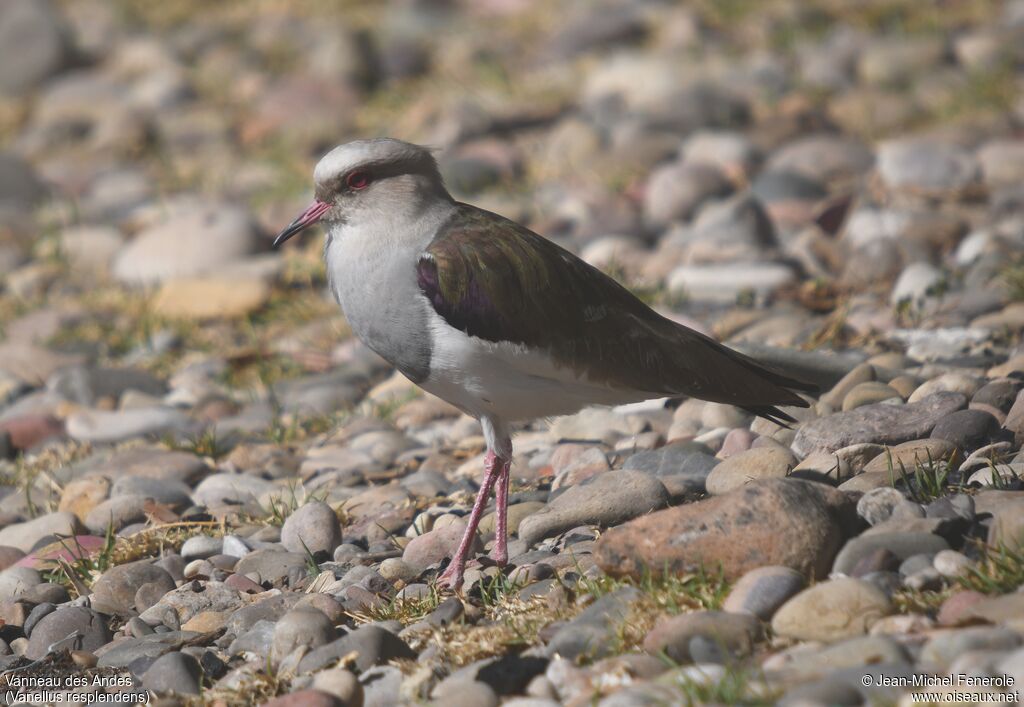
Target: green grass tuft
[
  {"x": 737, "y": 686},
  {"x": 927, "y": 481},
  {"x": 407, "y": 611},
  {"x": 1000, "y": 571}
]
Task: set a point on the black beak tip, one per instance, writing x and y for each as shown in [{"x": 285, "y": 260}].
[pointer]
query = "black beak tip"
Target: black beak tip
[{"x": 287, "y": 233}]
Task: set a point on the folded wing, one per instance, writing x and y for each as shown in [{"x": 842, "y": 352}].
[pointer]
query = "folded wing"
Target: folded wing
[{"x": 494, "y": 279}]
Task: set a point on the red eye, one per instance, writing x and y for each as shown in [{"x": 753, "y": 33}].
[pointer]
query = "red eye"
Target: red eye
[{"x": 358, "y": 180}]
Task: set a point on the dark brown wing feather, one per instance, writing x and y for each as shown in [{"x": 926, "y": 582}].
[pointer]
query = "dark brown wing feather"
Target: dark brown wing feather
[{"x": 496, "y": 280}]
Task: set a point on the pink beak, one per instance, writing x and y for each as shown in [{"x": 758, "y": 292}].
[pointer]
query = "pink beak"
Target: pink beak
[{"x": 306, "y": 219}]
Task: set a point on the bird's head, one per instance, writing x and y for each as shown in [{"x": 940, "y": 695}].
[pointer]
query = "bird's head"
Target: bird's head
[{"x": 366, "y": 179}]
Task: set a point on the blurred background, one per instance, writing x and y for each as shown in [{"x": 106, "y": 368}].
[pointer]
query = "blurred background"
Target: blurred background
[{"x": 815, "y": 173}]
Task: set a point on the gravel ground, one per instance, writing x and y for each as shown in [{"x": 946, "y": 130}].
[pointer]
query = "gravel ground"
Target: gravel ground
[{"x": 209, "y": 490}]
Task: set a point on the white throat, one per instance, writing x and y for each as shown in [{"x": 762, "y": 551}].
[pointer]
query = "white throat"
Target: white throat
[{"x": 371, "y": 270}]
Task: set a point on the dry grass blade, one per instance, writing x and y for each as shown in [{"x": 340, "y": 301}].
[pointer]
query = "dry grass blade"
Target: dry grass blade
[{"x": 151, "y": 542}]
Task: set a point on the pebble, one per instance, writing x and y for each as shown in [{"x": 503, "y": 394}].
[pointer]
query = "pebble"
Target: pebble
[
  {"x": 823, "y": 157},
  {"x": 273, "y": 566},
  {"x": 25, "y": 535},
  {"x": 588, "y": 634},
  {"x": 675, "y": 192},
  {"x": 115, "y": 590},
  {"x": 195, "y": 239},
  {"x": 942, "y": 649},
  {"x": 228, "y": 489},
  {"x": 307, "y": 628},
  {"x": 91, "y": 247},
  {"x": 116, "y": 513},
  {"x": 831, "y": 610},
  {"x": 734, "y": 633},
  {"x": 948, "y": 382},
  {"x": 466, "y": 693},
  {"x": 15, "y": 582},
  {"x": 868, "y": 394},
  {"x": 36, "y": 45},
  {"x": 915, "y": 284},
  {"x": 967, "y": 430},
  {"x": 34, "y": 616},
  {"x": 174, "y": 672},
  {"x": 950, "y": 563},
  {"x": 742, "y": 468},
  {"x": 373, "y": 645},
  {"x": 185, "y": 602},
  {"x": 341, "y": 683},
  {"x": 855, "y": 652},
  {"x": 110, "y": 426},
  {"x": 997, "y": 610},
  {"x": 198, "y": 568},
  {"x": 157, "y": 464},
  {"x": 926, "y": 166},
  {"x": 433, "y": 547},
  {"x": 211, "y": 298},
  {"x": 877, "y": 424},
  {"x": 201, "y": 547},
  {"x": 175, "y": 494},
  {"x": 750, "y": 529},
  {"x": 877, "y": 505},
  {"x": 908, "y": 456},
  {"x": 92, "y": 631},
  {"x": 726, "y": 283},
  {"x": 234, "y": 546},
  {"x": 312, "y": 528},
  {"x": 763, "y": 590},
  {"x": 682, "y": 467},
  {"x": 900, "y": 544},
  {"x": 605, "y": 500},
  {"x": 825, "y": 692}
]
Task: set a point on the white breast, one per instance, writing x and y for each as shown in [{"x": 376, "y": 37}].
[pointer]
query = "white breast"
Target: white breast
[{"x": 371, "y": 270}]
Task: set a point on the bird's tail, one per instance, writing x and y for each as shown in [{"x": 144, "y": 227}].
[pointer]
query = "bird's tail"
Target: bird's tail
[{"x": 784, "y": 389}]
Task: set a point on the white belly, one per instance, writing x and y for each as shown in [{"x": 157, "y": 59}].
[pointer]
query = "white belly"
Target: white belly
[{"x": 507, "y": 381}]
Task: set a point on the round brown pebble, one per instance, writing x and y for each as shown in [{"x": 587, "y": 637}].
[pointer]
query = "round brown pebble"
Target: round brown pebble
[{"x": 83, "y": 659}]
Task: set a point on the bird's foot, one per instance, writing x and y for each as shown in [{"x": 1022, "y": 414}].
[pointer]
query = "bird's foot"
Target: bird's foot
[
  {"x": 499, "y": 554},
  {"x": 451, "y": 578}
]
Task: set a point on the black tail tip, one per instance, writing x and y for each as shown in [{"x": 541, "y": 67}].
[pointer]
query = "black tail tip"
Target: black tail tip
[{"x": 774, "y": 414}]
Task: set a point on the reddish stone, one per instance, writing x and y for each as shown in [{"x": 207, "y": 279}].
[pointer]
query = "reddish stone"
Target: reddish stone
[
  {"x": 9, "y": 555},
  {"x": 737, "y": 440},
  {"x": 241, "y": 583},
  {"x": 71, "y": 549},
  {"x": 956, "y": 609},
  {"x": 31, "y": 430},
  {"x": 788, "y": 522}
]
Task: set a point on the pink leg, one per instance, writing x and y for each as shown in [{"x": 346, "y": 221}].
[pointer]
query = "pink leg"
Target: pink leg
[
  {"x": 452, "y": 576},
  {"x": 499, "y": 553}
]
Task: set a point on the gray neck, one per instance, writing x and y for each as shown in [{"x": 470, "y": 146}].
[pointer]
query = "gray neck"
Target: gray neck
[{"x": 371, "y": 269}]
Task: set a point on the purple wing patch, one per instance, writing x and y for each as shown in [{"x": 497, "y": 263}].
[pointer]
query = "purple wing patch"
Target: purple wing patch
[{"x": 471, "y": 311}]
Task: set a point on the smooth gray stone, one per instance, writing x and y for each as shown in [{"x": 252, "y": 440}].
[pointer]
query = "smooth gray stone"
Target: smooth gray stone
[{"x": 152, "y": 646}]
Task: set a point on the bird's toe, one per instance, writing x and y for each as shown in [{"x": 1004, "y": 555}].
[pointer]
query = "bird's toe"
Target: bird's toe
[{"x": 451, "y": 578}]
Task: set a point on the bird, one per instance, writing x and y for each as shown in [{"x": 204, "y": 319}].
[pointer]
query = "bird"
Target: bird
[{"x": 499, "y": 321}]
